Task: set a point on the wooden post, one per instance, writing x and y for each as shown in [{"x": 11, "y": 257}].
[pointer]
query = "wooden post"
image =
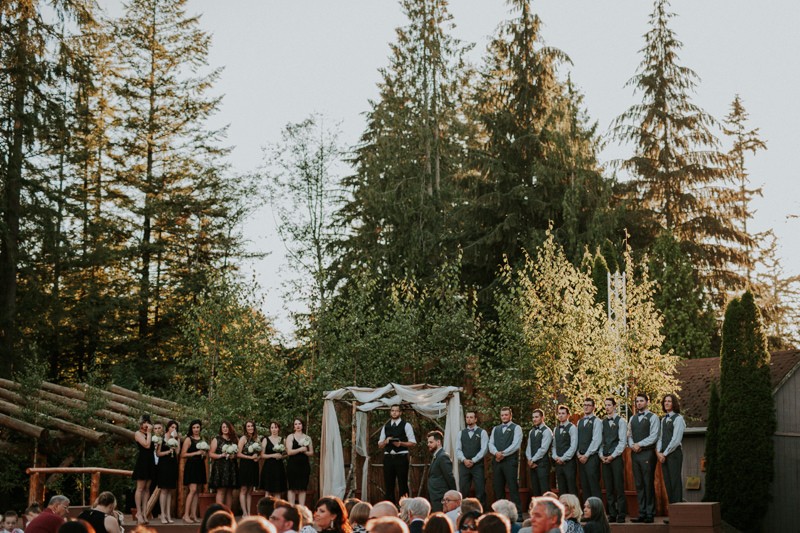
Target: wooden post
[
  {"x": 181, "y": 495},
  {"x": 94, "y": 488}
]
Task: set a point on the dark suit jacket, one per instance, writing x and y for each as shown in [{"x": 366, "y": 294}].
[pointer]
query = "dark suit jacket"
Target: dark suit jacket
[
  {"x": 440, "y": 478},
  {"x": 416, "y": 526}
]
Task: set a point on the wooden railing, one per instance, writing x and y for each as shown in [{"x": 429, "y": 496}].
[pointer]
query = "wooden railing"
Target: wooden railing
[{"x": 37, "y": 479}]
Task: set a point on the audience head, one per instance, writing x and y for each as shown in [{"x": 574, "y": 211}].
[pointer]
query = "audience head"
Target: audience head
[
  {"x": 285, "y": 517},
  {"x": 493, "y": 523},
  {"x": 386, "y": 524},
  {"x": 213, "y": 508},
  {"x": 417, "y": 508},
  {"x": 572, "y": 506},
  {"x": 266, "y": 505},
  {"x": 220, "y": 519},
  {"x": 506, "y": 508},
  {"x": 32, "y": 511},
  {"x": 438, "y": 523},
  {"x": 10, "y": 520},
  {"x": 349, "y": 503},
  {"x": 468, "y": 521},
  {"x": 106, "y": 499},
  {"x": 547, "y": 494},
  {"x": 76, "y": 526},
  {"x": 59, "y": 504},
  {"x": 221, "y": 529},
  {"x": 359, "y": 514},
  {"x": 384, "y": 509},
  {"x": 451, "y": 500},
  {"x": 471, "y": 504},
  {"x": 547, "y": 513},
  {"x": 594, "y": 511},
  {"x": 330, "y": 513},
  {"x": 255, "y": 524},
  {"x": 306, "y": 516}
]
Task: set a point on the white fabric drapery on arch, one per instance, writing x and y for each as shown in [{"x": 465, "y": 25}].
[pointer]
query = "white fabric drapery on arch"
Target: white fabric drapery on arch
[{"x": 431, "y": 402}]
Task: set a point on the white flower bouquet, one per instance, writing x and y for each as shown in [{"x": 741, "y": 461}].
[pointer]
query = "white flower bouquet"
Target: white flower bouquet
[
  {"x": 305, "y": 441},
  {"x": 279, "y": 448},
  {"x": 203, "y": 446},
  {"x": 173, "y": 445},
  {"x": 230, "y": 449},
  {"x": 156, "y": 439},
  {"x": 253, "y": 448}
]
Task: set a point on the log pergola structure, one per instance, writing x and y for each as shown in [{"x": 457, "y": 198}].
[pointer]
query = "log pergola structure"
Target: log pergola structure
[{"x": 54, "y": 412}]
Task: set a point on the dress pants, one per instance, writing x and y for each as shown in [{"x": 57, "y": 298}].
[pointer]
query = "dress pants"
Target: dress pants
[
  {"x": 505, "y": 473},
  {"x": 644, "y": 474},
  {"x": 395, "y": 468},
  {"x": 671, "y": 469},
  {"x": 614, "y": 481},
  {"x": 565, "y": 478},
  {"x": 590, "y": 477},
  {"x": 477, "y": 475},
  {"x": 540, "y": 477}
]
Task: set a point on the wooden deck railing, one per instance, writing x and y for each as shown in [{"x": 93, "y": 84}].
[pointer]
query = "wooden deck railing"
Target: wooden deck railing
[{"x": 37, "y": 481}]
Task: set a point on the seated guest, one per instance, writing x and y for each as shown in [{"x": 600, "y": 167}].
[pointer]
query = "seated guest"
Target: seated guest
[
  {"x": 358, "y": 517},
  {"x": 212, "y": 509},
  {"x": 265, "y": 506},
  {"x": 102, "y": 516},
  {"x": 32, "y": 512},
  {"x": 595, "y": 514},
  {"x": 307, "y": 519},
  {"x": 509, "y": 510},
  {"x": 10, "y": 523},
  {"x": 572, "y": 513},
  {"x": 51, "y": 518},
  {"x": 76, "y": 526},
  {"x": 387, "y": 524},
  {"x": 468, "y": 521},
  {"x": 451, "y": 505},
  {"x": 438, "y": 523},
  {"x": 418, "y": 510},
  {"x": 331, "y": 516},
  {"x": 493, "y": 523},
  {"x": 471, "y": 504},
  {"x": 384, "y": 508},
  {"x": 546, "y": 515},
  {"x": 255, "y": 524},
  {"x": 285, "y": 517},
  {"x": 349, "y": 503}
]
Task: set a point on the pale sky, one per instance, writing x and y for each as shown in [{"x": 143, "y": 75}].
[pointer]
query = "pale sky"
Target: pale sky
[{"x": 286, "y": 59}]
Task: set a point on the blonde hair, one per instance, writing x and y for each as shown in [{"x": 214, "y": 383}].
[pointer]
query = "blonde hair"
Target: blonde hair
[{"x": 572, "y": 505}]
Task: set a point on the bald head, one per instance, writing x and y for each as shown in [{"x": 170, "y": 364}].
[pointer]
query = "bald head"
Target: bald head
[{"x": 382, "y": 509}]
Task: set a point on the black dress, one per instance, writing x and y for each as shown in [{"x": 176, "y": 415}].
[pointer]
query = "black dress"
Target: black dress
[
  {"x": 194, "y": 471},
  {"x": 96, "y": 518},
  {"x": 145, "y": 465},
  {"x": 273, "y": 474},
  {"x": 298, "y": 469},
  {"x": 167, "y": 469},
  {"x": 223, "y": 471},
  {"x": 248, "y": 469}
]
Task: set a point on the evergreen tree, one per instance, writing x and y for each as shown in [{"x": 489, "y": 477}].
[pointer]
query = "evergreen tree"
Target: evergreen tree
[
  {"x": 688, "y": 326},
  {"x": 679, "y": 177},
  {"x": 713, "y": 466},
  {"x": 778, "y": 297},
  {"x": 406, "y": 160},
  {"x": 745, "y": 449},
  {"x": 744, "y": 140},
  {"x": 600, "y": 278}
]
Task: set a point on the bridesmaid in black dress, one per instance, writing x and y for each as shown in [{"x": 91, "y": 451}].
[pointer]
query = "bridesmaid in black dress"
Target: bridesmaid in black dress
[
  {"x": 298, "y": 467},
  {"x": 168, "y": 470},
  {"x": 194, "y": 470},
  {"x": 273, "y": 473},
  {"x": 224, "y": 475},
  {"x": 145, "y": 467},
  {"x": 248, "y": 465}
]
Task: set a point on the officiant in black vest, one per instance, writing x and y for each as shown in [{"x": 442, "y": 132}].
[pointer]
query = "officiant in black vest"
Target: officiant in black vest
[
  {"x": 472, "y": 445},
  {"x": 504, "y": 444},
  {"x": 397, "y": 436}
]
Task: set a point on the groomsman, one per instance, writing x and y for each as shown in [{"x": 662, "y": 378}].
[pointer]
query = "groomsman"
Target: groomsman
[
  {"x": 539, "y": 440},
  {"x": 642, "y": 441},
  {"x": 440, "y": 475},
  {"x": 397, "y": 436},
  {"x": 504, "y": 444},
  {"x": 615, "y": 431},
  {"x": 669, "y": 451},
  {"x": 590, "y": 436},
  {"x": 470, "y": 451},
  {"x": 565, "y": 440}
]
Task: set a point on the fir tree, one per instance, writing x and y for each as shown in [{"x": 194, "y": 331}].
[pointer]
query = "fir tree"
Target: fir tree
[
  {"x": 679, "y": 178},
  {"x": 778, "y": 297},
  {"x": 712, "y": 489},
  {"x": 745, "y": 450}
]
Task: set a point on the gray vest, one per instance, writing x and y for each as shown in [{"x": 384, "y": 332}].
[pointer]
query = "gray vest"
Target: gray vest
[
  {"x": 503, "y": 440},
  {"x": 585, "y": 432},
  {"x": 561, "y": 437},
  {"x": 536, "y": 442},
  {"x": 610, "y": 435},
  {"x": 666, "y": 431},
  {"x": 640, "y": 430},
  {"x": 471, "y": 446}
]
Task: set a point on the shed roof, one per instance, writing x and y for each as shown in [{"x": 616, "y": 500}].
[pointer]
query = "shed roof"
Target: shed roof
[{"x": 696, "y": 375}]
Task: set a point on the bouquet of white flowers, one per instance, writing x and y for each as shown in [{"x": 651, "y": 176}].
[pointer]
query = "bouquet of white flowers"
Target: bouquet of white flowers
[
  {"x": 203, "y": 446},
  {"x": 230, "y": 449},
  {"x": 254, "y": 447},
  {"x": 280, "y": 448},
  {"x": 306, "y": 441},
  {"x": 156, "y": 439}
]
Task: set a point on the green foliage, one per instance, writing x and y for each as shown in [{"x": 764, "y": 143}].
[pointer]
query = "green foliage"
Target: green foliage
[
  {"x": 713, "y": 466},
  {"x": 600, "y": 278},
  {"x": 747, "y": 417},
  {"x": 688, "y": 324}
]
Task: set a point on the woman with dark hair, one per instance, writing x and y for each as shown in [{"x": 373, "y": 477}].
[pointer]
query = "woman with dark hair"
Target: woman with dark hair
[
  {"x": 595, "y": 515},
  {"x": 223, "y": 452},
  {"x": 468, "y": 521},
  {"x": 102, "y": 516},
  {"x": 331, "y": 516},
  {"x": 437, "y": 523},
  {"x": 219, "y": 520},
  {"x": 194, "y": 471},
  {"x": 669, "y": 448},
  {"x": 167, "y": 451},
  {"x": 273, "y": 473},
  {"x": 144, "y": 471},
  {"x": 298, "y": 467},
  {"x": 249, "y": 452}
]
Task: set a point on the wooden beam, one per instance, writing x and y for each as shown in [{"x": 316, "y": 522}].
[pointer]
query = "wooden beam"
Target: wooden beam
[
  {"x": 31, "y": 430},
  {"x": 134, "y": 407},
  {"x": 69, "y": 427},
  {"x": 146, "y": 398},
  {"x": 78, "y": 470}
]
